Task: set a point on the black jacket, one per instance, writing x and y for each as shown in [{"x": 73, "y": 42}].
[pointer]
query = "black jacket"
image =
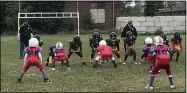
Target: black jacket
[
  {"x": 127, "y": 28},
  {"x": 25, "y": 32}
]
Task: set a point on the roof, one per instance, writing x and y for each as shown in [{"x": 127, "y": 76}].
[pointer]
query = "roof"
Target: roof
[{"x": 176, "y": 8}]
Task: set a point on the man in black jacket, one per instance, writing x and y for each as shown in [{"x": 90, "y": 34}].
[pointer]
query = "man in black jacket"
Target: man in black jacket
[
  {"x": 24, "y": 34},
  {"x": 128, "y": 27}
]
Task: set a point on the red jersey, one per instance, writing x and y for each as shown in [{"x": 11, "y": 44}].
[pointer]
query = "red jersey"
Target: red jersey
[
  {"x": 105, "y": 51},
  {"x": 33, "y": 52},
  {"x": 162, "y": 53},
  {"x": 60, "y": 52}
]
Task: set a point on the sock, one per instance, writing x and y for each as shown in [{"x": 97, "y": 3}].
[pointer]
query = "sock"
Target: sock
[
  {"x": 151, "y": 81},
  {"x": 44, "y": 74},
  {"x": 21, "y": 75},
  {"x": 170, "y": 80}
]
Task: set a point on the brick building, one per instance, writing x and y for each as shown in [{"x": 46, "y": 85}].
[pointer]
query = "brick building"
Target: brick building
[{"x": 104, "y": 12}]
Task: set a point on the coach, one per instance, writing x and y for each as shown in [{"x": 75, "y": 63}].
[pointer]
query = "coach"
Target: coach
[
  {"x": 24, "y": 34},
  {"x": 128, "y": 27}
]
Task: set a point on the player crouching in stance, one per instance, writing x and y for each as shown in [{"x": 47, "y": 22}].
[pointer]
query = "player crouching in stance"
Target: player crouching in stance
[
  {"x": 147, "y": 45},
  {"x": 166, "y": 41},
  {"x": 113, "y": 42},
  {"x": 60, "y": 55},
  {"x": 75, "y": 46},
  {"x": 176, "y": 45},
  {"x": 161, "y": 60},
  {"x": 130, "y": 41},
  {"x": 94, "y": 40},
  {"x": 38, "y": 38},
  {"x": 51, "y": 54},
  {"x": 33, "y": 57},
  {"x": 104, "y": 53}
]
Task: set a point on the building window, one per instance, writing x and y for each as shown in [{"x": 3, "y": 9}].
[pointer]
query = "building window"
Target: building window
[
  {"x": 100, "y": 5},
  {"x": 98, "y": 15}
]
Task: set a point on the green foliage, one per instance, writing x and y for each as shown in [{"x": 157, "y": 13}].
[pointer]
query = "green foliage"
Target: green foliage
[
  {"x": 88, "y": 22},
  {"x": 127, "y": 10},
  {"x": 170, "y": 4},
  {"x": 10, "y": 17},
  {"x": 10, "y": 11},
  {"x": 151, "y": 7}
]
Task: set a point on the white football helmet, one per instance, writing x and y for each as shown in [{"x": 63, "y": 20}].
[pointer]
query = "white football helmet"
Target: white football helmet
[
  {"x": 33, "y": 42},
  {"x": 148, "y": 40},
  {"x": 59, "y": 45},
  {"x": 102, "y": 43},
  {"x": 158, "y": 40}
]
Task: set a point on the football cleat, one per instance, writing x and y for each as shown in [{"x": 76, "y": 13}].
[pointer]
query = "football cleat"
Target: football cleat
[
  {"x": 135, "y": 62},
  {"x": 83, "y": 63},
  {"x": 46, "y": 80},
  {"x": 172, "y": 86},
  {"x": 95, "y": 66},
  {"x": 19, "y": 80},
  {"x": 68, "y": 68},
  {"x": 159, "y": 72},
  {"x": 149, "y": 87},
  {"x": 115, "y": 65},
  {"x": 125, "y": 62},
  {"x": 53, "y": 69}
]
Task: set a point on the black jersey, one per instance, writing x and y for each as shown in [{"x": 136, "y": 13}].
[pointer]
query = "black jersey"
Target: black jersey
[{"x": 75, "y": 45}]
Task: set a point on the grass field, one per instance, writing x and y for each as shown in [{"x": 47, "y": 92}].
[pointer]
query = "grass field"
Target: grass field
[{"x": 125, "y": 78}]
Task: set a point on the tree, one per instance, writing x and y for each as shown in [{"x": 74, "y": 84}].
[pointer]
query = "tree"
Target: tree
[
  {"x": 10, "y": 9},
  {"x": 127, "y": 10},
  {"x": 124, "y": 7},
  {"x": 151, "y": 7},
  {"x": 171, "y": 3},
  {"x": 3, "y": 25},
  {"x": 88, "y": 22},
  {"x": 49, "y": 26}
]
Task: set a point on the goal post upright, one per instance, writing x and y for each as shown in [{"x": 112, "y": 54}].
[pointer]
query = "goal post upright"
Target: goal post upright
[
  {"x": 78, "y": 24},
  {"x": 49, "y": 15}
]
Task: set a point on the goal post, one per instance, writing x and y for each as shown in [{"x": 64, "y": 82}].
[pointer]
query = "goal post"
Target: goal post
[{"x": 49, "y": 15}]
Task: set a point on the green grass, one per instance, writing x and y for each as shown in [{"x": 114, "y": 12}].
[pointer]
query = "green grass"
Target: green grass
[{"x": 125, "y": 78}]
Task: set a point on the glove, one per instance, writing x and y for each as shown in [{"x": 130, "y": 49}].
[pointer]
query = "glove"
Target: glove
[{"x": 18, "y": 36}]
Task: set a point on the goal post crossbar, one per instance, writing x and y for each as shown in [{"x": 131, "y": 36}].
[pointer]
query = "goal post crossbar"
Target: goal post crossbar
[{"x": 49, "y": 15}]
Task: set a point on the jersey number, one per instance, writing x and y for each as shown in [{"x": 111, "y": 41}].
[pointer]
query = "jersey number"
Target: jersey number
[
  {"x": 161, "y": 52},
  {"x": 32, "y": 52}
]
